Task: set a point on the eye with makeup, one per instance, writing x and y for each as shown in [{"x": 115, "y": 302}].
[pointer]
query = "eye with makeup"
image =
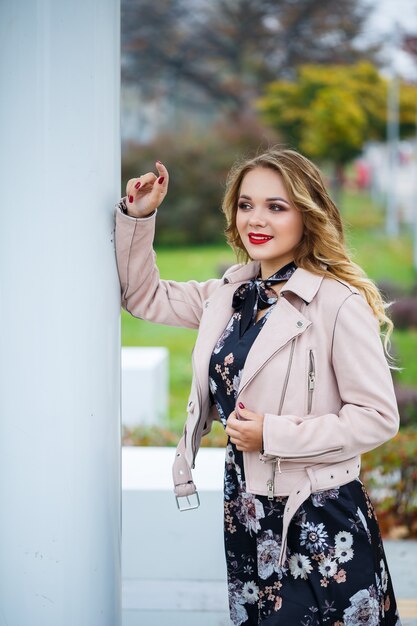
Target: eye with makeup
[
  {"x": 244, "y": 206},
  {"x": 276, "y": 207}
]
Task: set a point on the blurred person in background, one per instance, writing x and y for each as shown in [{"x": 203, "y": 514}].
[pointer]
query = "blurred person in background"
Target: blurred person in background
[{"x": 289, "y": 358}]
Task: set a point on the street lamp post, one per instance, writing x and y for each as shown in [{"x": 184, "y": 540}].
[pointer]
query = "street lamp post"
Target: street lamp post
[
  {"x": 415, "y": 204},
  {"x": 409, "y": 44},
  {"x": 392, "y": 227}
]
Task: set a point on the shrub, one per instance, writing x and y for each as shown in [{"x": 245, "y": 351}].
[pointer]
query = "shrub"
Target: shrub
[
  {"x": 404, "y": 313},
  {"x": 390, "y": 473},
  {"x": 407, "y": 405},
  {"x": 391, "y": 290},
  {"x": 198, "y": 166},
  {"x": 149, "y": 436},
  {"x": 157, "y": 436}
]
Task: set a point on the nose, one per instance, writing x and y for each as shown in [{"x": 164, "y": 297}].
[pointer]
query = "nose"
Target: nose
[{"x": 257, "y": 219}]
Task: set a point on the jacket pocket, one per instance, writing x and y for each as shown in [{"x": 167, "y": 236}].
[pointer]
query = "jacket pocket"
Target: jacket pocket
[
  {"x": 306, "y": 457},
  {"x": 311, "y": 380}
]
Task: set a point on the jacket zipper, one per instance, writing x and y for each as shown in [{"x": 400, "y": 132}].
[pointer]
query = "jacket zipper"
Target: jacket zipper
[
  {"x": 311, "y": 381},
  {"x": 194, "y": 436},
  {"x": 266, "y": 363},
  {"x": 305, "y": 456},
  {"x": 287, "y": 375},
  {"x": 270, "y": 482}
]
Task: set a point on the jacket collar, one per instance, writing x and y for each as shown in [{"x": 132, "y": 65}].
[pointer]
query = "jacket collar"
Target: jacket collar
[{"x": 302, "y": 283}]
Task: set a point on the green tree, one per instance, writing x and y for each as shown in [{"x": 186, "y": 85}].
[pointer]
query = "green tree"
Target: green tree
[
  {"x": 198, "y": 165},
  {"x": 227, "y": 50},
  {"x": 329, "y": 112}
]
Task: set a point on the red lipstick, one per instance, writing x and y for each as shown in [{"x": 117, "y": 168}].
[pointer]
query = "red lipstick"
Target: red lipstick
[{"x": 258, "y": 238}]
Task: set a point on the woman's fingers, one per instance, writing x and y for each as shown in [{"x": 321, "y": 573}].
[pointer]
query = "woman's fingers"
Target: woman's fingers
[
  {"x": 234, "y": 428},
  {"x": 245, "y": 433},
  {"x": 146, "y": 193},
  {"x": 160, "y": 186},
  {"x": 235, "y": 434},
  {"x": 147, "y": 181},
  {"x": 140, "y": 185},
  {"x": 163, "y": 174}
]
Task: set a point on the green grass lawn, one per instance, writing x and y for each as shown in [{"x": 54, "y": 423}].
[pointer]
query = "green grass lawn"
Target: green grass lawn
[
  {"x": 405, "y": 343},
  {"x": 381, "y": 258},
  {"x": 199, "y": 263}
]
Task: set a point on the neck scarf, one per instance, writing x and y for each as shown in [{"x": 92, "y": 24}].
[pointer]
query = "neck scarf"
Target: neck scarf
[{"x": 257, "y": 295}]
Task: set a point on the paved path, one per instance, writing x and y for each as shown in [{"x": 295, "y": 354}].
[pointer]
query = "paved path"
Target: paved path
[{"x": 402, "y": 562}]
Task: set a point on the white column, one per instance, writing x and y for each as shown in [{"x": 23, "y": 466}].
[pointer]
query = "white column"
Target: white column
[{"x": 59, "y": 313}]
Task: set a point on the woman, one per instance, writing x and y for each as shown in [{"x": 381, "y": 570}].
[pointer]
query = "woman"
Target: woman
[{"x": 289, "y": 358}]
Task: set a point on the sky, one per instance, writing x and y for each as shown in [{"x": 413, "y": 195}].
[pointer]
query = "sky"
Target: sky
[{"x": 387, "y": 16}]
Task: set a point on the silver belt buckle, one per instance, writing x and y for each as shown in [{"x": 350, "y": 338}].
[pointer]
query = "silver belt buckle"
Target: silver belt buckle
[{"x": 191, "y": 502}]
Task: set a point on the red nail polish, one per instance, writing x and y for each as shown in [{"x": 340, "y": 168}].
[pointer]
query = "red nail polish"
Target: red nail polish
[
  {"x": 130, "y": 198},
  {"x": 138, "y": 184},
  {"x": 241, "y": 405},
  {"x": 161, "y": 179}
]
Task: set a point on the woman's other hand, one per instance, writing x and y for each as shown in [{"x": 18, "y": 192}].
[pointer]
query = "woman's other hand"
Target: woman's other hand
[
  {"x": 245, "y": 429},
  {"x": 145, "y": 194}
]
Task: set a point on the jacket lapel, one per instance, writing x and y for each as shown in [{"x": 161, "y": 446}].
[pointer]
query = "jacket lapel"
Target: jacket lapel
[
  {"x": 218, "y": 313},
  {"x": 285, "y": 322}
]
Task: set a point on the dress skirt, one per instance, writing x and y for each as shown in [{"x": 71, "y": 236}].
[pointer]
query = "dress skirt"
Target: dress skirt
[{"x": 335, "y": 572}]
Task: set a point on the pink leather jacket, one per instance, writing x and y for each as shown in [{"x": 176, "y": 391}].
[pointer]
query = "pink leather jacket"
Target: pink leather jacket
[{"x": 317, "y": 371}]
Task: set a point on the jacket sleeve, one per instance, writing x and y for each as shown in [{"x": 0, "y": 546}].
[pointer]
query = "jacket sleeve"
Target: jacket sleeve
[
  {"x": 144, "y": 294},
  {"x": 369, "y": 413}
]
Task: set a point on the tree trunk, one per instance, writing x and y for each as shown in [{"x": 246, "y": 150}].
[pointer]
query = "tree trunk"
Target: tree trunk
[{"x": 337, "y": 184}]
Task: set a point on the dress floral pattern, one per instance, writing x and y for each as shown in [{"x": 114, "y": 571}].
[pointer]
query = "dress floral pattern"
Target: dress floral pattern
[{"x": 335, "y": 572}]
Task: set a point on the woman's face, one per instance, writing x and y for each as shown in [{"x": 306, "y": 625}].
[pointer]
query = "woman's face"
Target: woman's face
[{"x": 269, "y": 226}]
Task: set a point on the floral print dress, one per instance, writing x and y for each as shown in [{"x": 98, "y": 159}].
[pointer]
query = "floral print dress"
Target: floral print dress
[{"x": 335, "y": 573}]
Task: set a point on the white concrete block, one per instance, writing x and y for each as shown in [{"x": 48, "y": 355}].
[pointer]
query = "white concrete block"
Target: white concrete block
[
  {"x": 145, "y": 386},
  {"x": 173, "y": 564},
  {"x": 177, "y": 618},
  {"x": 177, "y": 595}
]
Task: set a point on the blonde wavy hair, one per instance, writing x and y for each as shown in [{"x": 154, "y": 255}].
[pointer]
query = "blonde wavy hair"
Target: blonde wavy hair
[{"x": 323, "y": 241}]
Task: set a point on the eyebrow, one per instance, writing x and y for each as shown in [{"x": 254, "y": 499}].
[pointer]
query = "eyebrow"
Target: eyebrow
[{"x": 267, "y": 199}]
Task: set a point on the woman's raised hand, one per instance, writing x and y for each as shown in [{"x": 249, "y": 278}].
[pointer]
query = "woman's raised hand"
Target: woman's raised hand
[{"x": 145, "y": 194}]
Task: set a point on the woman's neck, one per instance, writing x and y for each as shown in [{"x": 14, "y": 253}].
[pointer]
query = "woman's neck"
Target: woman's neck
[{"x": 269, "y": 269}]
